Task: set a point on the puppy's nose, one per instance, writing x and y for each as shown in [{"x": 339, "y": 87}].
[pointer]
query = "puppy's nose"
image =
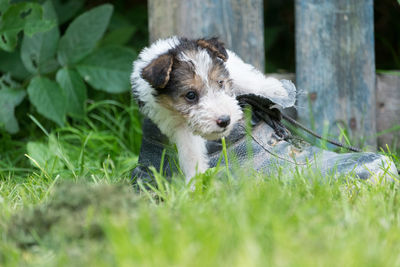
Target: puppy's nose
[{"x": 223, "y": 121}]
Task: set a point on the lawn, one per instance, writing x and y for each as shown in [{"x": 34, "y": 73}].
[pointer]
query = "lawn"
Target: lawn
[{"x": 66, "y": 200}]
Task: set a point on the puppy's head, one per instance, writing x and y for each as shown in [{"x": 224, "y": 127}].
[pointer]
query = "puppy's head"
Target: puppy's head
[{"x": 191, "y": 80}]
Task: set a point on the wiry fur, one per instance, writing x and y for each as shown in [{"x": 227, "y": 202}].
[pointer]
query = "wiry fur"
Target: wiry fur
[{"x": 168, "y": 69}]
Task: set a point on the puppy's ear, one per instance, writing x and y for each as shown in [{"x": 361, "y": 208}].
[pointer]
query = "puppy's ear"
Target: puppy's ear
[
  {"x": 215, "y": 46},
  {"x": 158, "y": 71}
]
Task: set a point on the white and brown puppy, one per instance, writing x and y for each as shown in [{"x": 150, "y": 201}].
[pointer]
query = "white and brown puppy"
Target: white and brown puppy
[{"x": 188, "y": 88}]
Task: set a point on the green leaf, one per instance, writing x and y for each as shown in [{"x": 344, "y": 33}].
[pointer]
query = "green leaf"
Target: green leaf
[
  {"x": 11, "y": 63},
  {"x": 119, "y": 36},
  {"x": 48, "y": 98},
  {"x": 37, "y": 52},
  {"x": 43, "y": 155},
  {"x": 9, "y": 99},
  {"x": 8, "y": 41},
  {"x": 83, "y": 34},
  {"x": 120, "y": 30},
  {"x": 18, "y": 17},
  {"x": 67, "y": 9},
  {"x": 39, "y": 26},
  {"x": 39, "y": 152},
  {"x": 108, "y": 69},
  {"x": 4, "y": 4},
  {"x": 389, "y": 72},
  {"x": 75, "y": 90},
  {"x": 7, "y": 82}
]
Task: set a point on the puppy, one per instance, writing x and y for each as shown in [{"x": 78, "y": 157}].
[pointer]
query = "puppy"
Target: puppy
[{"x": 188, "y": 89}]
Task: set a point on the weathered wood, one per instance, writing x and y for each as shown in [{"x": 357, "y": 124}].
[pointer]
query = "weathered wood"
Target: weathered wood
[
  {"x": 335, "y": 65},
  {"x": 239, "y": 23},
  {"x": 388, "y": 109}
]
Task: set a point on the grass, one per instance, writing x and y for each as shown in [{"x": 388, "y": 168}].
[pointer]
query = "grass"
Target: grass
[{"x": 69, "y": 202}]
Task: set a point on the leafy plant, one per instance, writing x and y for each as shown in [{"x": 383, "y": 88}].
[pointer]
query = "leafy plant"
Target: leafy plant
[{"x": 54, "y": 68}]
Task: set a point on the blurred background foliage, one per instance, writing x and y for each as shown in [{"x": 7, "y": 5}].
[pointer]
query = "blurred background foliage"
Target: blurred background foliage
[
  {"x": 279, "y": 21},
  {"x": 387, "y": 34},
  {"x": 49, "y": 81},
  {"x": 58, "y": 55}
]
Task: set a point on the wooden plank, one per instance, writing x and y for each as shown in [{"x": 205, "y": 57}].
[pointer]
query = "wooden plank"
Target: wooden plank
[
  {"x": 388, "y": 109},
  {"x": 239, "y": 23},
  {"x": 335, "y": 66}
]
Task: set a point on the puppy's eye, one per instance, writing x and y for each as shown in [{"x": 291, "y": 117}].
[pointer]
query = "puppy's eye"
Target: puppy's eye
[
  {"x": 191, "y": 96},
  {"x": 221, "y": 83}
]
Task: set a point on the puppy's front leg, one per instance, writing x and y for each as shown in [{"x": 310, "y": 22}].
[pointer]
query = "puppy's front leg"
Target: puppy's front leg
[{"x": 192, "y": 152}]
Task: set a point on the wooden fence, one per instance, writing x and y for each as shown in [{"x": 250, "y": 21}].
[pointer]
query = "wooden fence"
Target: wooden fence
[{"x": 335, "y": 59}]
